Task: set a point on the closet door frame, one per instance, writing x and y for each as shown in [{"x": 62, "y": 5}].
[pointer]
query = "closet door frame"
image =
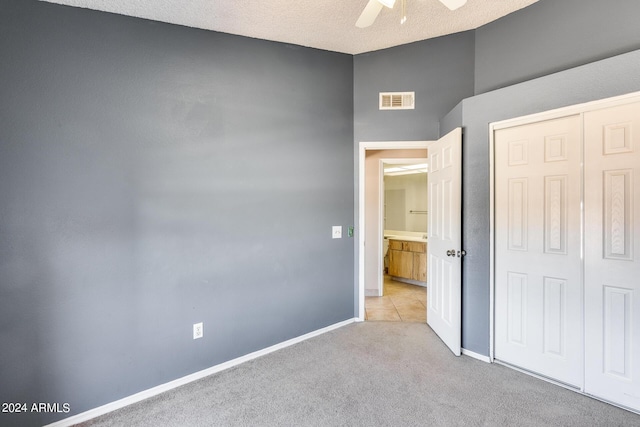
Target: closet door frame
[{"x": 578, "y": 109}]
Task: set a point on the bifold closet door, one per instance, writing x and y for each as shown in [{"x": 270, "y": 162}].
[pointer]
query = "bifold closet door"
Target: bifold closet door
[
  {"x": 612, "y": 254},
  {"x": 538, "y": 282}
]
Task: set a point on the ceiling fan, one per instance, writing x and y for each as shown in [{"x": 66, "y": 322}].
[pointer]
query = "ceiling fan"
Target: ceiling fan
[{"x": 373, "y": 8}]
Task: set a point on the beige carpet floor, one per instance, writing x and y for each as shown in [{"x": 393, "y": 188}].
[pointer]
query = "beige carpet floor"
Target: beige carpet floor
[{"x": 369, "y": 374}]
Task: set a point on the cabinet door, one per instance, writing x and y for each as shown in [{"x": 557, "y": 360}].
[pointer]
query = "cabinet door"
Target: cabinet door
[
  {"x": 393, "y": 261},
  {"x": 419, "y": 266},
  {"x": 416, "y": 247},
  {"x": 401, "y": 264}
]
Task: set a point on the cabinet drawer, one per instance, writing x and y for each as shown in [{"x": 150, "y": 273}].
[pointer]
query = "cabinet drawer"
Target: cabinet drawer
[
  {"x": 395, "y": 245},
  {"x": 416, "y": 247}
]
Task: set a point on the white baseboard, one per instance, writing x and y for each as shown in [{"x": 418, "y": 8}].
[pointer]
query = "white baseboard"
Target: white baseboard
[
  {"x": 576, "y": 389},
  {"x": 409, "y": 281},
  {"x": 476, "y": 355},
  {"x": 145, "y": 394}
]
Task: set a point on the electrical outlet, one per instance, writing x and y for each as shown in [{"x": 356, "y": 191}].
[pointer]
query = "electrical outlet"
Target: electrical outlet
[
  {"x": 198, "y": 330},
  {"x": 336, "y": 232}
]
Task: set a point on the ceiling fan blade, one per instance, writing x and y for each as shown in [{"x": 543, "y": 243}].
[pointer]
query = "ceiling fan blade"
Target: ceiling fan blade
[
  {"x": 453, "y": 4},
  {"x": 369, "y": 14}
]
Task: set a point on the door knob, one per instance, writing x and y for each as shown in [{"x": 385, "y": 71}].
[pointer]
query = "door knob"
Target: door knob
[
  {"x": 451, "y": 252},
  {"x": 462, "y": 253}
]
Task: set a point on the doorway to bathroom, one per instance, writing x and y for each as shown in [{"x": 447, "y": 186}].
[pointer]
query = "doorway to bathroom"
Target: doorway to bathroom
[
  {"x": 403, "y": 200},
  {"x": 444, "y": 229},
  {"x": 373, "y": 210},
  {"x": 400, "y": 291}
]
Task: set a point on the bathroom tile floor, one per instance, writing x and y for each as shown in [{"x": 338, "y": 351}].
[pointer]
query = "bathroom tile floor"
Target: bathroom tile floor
[{"x": 401, "y": 302}]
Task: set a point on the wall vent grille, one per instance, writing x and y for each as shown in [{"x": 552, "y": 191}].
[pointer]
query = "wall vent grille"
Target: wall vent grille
[{"x": 397, "y": 100}]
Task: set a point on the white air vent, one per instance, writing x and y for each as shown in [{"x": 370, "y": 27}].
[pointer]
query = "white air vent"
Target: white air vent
[{"x": 397, "y": 100}]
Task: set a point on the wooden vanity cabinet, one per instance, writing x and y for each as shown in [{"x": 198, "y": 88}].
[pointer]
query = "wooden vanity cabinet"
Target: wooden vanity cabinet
[{"x": 408, "y": 260}]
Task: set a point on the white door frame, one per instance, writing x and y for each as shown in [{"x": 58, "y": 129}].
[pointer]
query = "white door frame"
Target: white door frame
[
  {"x": 362, "y": 148},
  {"x": 518, "y": 121}
]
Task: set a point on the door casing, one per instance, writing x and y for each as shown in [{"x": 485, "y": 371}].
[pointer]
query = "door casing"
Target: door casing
[{"x": 362, "y": 149}]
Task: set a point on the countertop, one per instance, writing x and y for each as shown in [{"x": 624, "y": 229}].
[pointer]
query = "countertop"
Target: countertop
[{"x": 406, "y": 238}]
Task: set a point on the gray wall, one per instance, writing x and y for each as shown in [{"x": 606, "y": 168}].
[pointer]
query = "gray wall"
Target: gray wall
[
  {"x": 540, "y": 40},
  {"x": 153, "y": 176},
  {"x": 602, "y": 79},
  {"x": 452, "y": 120},
  {"x": 553, "y": 35},
  {"x": 440, "y": 71}
]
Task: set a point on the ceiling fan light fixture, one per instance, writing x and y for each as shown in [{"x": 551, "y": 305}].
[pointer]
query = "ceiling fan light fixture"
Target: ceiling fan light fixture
[
  {"x": 453, "y": 4},
  {"x": 387, "y": 3}
]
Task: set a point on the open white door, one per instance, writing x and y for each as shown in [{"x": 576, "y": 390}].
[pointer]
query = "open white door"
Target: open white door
[{"x": 444, "y": 299}]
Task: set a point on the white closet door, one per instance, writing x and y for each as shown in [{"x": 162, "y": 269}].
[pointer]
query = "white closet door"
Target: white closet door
[
  {"x": 612, "y": 255},
  {"x": 538, "y": 282}
]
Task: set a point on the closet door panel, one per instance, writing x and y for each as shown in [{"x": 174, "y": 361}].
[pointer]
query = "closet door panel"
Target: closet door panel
[
  {"x": 612, "y": 264},
  {"x": 538, "y": 293}
]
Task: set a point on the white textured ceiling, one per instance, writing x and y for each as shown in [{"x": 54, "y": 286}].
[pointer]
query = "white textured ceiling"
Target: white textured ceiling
[{"x": 322, "y": 24}]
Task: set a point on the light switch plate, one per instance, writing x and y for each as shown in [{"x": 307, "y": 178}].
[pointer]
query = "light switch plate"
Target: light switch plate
[{"x": 336, "y": 232}]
